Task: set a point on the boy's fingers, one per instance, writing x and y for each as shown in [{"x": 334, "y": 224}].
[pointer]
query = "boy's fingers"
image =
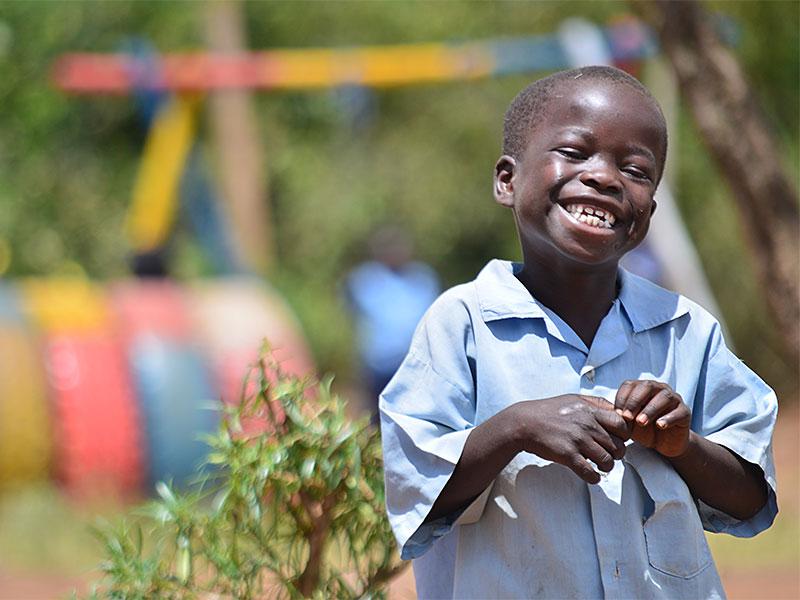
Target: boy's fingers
[
  {"x": 661, "y": 403},
  {"x": 613, "y": 423},
  {"x": 595, "y": 452},
  {"x": 598, "y": 402},
  {"x": 630, "y": 396},
  {"x": 612, "y": 444},
  {"x": 622, "y": 395},
  {"x": 619, "y": 447},
  {"x": 638, "y": 396},
  {"x": 583, "y": 469},
  {"x": 680, "y": 416},
  {"x": 641, "y": 394}
]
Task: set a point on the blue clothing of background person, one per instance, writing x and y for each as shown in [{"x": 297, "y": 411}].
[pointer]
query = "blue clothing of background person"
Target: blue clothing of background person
[{"x": 387, "y": 297}]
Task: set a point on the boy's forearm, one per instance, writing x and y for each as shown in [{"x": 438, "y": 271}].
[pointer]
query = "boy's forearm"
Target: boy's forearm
[
  {"x": 571, "y": 429},
  {"x": 721, "y": 478},
  {"x": 488, "y": 449}
]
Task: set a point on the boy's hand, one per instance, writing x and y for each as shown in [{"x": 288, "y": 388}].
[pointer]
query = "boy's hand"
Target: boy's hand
[
  {"x": 570, "y": 430},
  {"x": 658, "y": 417}
]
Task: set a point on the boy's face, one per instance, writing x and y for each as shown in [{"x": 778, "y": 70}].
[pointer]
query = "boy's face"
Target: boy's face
[{"x": 582, "y": 193}]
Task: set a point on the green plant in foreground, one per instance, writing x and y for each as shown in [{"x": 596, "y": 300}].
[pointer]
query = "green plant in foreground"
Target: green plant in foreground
[{"x": 295, "y": 509}]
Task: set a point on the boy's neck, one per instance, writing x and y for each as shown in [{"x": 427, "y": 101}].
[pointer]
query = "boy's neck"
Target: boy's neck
[{"x": 581, "y": 297}]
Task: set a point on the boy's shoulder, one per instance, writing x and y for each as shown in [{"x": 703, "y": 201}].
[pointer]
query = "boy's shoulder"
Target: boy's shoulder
[
  {"x": 454, "y": 312},
  {"x": 490, "y": 286},
  {"x": 454, "y": 304}
]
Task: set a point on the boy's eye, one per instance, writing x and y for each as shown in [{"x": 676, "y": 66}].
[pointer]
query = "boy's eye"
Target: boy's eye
[
  {"x": 571, "y": 152},
  {"x": 637, "y": 172}
]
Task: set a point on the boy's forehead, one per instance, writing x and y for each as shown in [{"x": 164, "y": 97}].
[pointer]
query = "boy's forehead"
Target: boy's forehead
[
  {"x": 590, "y": 95},
  {"x": 594, "y": 100}
]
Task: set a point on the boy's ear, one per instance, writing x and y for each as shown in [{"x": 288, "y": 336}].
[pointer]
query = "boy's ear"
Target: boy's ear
[
  {"x": 504, "y": 171},
  {"x": 653, "y": 207}
]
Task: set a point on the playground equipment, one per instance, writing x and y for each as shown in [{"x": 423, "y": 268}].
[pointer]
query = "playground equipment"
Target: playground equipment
[
  {"x": 175, "y": 83},
  {"x": 108, "y": 387}
]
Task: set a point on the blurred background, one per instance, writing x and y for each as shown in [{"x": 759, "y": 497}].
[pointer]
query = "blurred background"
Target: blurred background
[{"x": 161, "y": 212}]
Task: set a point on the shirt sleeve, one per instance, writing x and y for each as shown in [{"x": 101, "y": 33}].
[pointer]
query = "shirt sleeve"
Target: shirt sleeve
[
  {"x": 427, "y": 412},
  {"x": 736, "y": 409}
]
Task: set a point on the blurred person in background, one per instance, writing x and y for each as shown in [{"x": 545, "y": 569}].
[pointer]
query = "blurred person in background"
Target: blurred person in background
[{"x": 387, "y": 296}]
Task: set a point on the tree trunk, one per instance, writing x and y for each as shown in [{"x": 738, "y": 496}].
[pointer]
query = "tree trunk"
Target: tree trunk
[
  {"x": 740, "y": 140},
  {"x": 241, "y": 154},
  {"x": 320, "y": 516}
]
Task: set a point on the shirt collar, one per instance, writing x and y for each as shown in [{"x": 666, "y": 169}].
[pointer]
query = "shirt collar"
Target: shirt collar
[
  {"x": 647, "y": 304},
  {"x": 502, "y": 296}
]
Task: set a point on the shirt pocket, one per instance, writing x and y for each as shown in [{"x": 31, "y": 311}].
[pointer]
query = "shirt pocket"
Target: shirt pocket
[
  {"x": 675, "y": 541},
  {"x": 674, "y": 538}
]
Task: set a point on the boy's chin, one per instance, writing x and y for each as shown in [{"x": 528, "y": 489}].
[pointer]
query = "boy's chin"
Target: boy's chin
[
  {"x": 596, "y": 263},
  {"x": 592, "y": 255}
]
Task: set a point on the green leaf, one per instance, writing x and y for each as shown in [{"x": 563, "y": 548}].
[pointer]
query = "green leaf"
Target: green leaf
[{"x": 307, "y": 470}]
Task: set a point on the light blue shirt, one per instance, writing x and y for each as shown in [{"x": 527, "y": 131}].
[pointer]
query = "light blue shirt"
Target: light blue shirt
[{"x": 538, "y": 530}]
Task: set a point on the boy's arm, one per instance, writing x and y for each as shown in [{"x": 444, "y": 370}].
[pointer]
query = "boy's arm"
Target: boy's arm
[
  {"x": 717, "y": 476},
  {"x": 570, "y": 430},
  {"x": 721, "y": 478}
]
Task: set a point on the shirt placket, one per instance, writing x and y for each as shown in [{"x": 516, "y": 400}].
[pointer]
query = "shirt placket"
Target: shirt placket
[
  {"x": 609, "y": 533},
  {"x": 605, "y": 497}
]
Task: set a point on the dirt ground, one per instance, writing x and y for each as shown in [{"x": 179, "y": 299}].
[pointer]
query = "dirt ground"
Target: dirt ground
[{"x": 766, "y": 568}]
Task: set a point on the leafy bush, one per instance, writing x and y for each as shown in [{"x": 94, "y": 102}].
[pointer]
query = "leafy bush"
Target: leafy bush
[{"x": 290, "y": 505}]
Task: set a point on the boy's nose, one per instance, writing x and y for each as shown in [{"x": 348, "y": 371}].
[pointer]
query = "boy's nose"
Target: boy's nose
[{"x": 601, "y": 176}]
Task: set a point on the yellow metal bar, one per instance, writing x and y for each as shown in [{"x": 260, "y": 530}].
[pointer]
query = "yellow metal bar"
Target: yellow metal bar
[
  {"x": 155, "y": 193},
  {"x": 377, "y": 67}
]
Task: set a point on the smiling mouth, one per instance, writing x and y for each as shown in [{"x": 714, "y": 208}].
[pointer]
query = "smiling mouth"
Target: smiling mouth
[{"x": 590, "y": 215}]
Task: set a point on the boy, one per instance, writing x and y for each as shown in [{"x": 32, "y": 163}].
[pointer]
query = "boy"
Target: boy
[{"x": 520, "y": 385}]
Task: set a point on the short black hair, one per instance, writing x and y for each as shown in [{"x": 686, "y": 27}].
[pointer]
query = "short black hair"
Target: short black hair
[{"x": 527, "y": 109}]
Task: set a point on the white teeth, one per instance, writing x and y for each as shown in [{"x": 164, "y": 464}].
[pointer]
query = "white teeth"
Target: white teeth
[{"x": 591, "y": 215}]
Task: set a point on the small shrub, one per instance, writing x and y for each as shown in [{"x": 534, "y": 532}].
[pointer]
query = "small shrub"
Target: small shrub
[{"x": 295, "y": 509}]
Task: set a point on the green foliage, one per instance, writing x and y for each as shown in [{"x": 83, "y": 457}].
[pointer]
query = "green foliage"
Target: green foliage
[{"x": 291, "y": 505}]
